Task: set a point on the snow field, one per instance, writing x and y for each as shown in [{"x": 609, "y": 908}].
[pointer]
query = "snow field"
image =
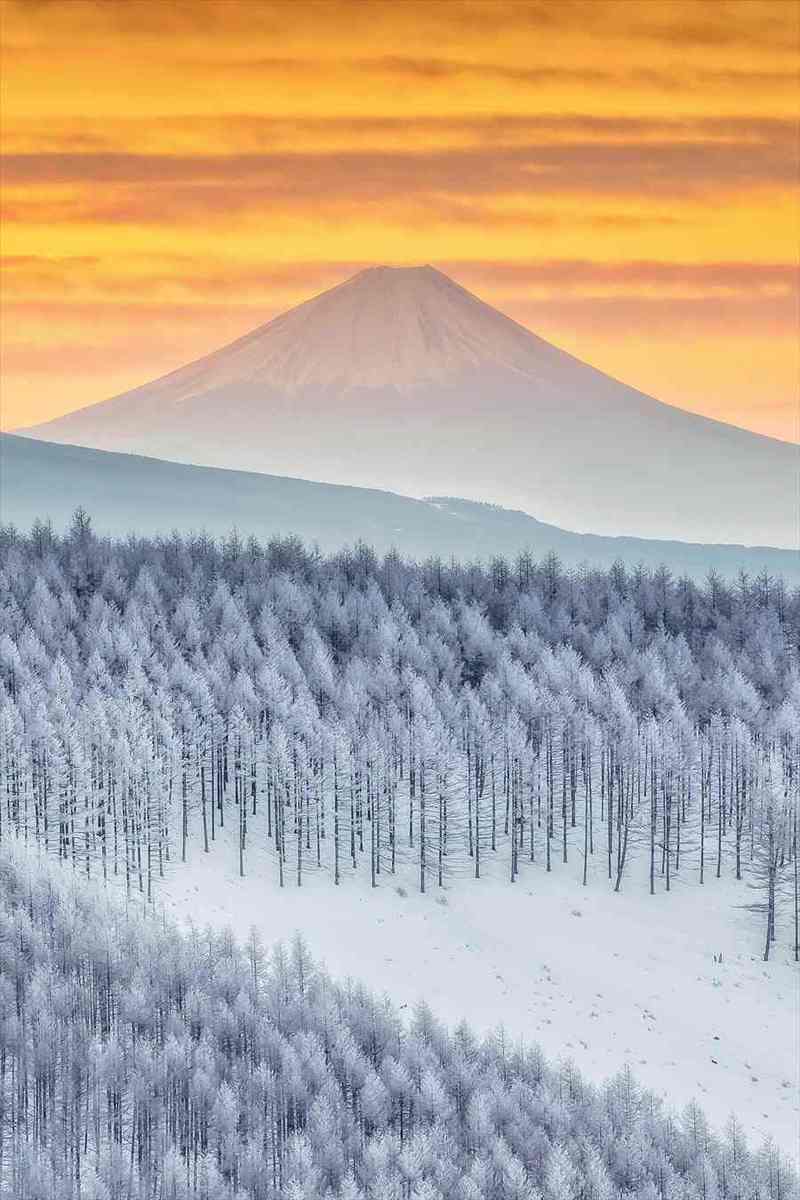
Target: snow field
[{"x": 600, "y": 978}]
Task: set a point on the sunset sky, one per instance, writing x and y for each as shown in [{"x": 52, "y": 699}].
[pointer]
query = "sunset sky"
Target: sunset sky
[{"x": 621, "y": 177}]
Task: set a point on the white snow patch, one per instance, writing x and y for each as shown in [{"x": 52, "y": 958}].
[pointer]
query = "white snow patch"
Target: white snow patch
[{"x": 602, "y": 979}]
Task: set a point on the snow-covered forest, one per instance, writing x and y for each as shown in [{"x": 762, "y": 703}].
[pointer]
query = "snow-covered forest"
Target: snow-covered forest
[
  {"x": 416, "y": 723},
  {"x": 137, "y": 1061}
]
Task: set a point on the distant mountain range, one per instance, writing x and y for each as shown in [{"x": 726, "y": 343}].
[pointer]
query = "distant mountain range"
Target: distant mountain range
[
  {"x": 127, "y": 493},
  {"x": 401, "y": 379}
]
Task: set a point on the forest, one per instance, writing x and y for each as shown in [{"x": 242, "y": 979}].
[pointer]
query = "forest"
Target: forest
[
  {"x": 411, "y": 723},
  {"x": 141, "y": 1062}
]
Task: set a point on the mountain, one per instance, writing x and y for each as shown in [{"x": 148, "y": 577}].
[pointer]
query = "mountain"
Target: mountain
[
  {"x": 401, "y": 379},
  {"x": 125, "y": 493}
]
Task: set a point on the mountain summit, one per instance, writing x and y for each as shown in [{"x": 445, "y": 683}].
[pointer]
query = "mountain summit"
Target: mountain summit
[
  {"x": 399, "y": 378},
  {"x": 386, "y": 327}
]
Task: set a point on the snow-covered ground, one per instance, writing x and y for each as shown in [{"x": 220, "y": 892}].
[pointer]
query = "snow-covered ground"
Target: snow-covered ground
[{"x": 603, "y": 979}]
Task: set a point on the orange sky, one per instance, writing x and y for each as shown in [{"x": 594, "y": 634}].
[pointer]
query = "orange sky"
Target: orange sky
[{"x": 620, "y": 176}]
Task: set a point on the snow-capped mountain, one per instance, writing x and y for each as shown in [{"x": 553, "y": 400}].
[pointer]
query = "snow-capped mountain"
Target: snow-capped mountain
[{"x": 401, "y": 379}]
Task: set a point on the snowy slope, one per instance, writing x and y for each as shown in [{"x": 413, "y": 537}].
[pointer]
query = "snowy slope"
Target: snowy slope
[
  {"x": 603, "y": 979},
  {"x": 401, "y": 379}
]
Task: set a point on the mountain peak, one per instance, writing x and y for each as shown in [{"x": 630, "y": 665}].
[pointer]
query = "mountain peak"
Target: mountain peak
[
  {"x": 419, "y": 272},
  {"x": 385, "y": 327},
  {"x": 387, "y": 274},
  {"x": 400, "y": 378},
  {"x": 401, "y": 283},
  {"x": 393, "y": 327}
]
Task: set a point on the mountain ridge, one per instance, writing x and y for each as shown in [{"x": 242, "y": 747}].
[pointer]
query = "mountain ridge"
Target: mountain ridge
[{"x": 128, "y": 494}]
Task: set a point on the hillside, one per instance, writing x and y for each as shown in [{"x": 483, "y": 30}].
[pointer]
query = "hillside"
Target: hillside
[
  {"x": 126, "y": 493},
  {"x": 401, "y": 379},
  {"x": 535, "y": 800},
  {"x": 190, "y": 1065},
  {"x": 602, "y": 979}
]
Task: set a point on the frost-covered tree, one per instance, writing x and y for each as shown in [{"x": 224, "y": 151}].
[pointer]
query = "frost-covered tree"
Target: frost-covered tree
[{"x": 415, "y": 723}]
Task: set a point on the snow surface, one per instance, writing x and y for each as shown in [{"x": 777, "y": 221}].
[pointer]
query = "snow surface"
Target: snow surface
[{"x": 602, "y": 979}]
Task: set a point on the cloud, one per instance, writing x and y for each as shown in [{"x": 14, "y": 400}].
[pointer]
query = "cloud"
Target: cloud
[
  {"x": 744, "y": 277},
  {"x": 249, "y": 133},
  {"x": 648, "y": 315},
  {"x": 769, "y": 24},
  {"x": 737, "y": 275},
  {"x": 611, "y": 158},
  {"x": 71, "y": 19},
  {"x": 434, "y": 70},
  {"x": 766, "y": 294}
]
